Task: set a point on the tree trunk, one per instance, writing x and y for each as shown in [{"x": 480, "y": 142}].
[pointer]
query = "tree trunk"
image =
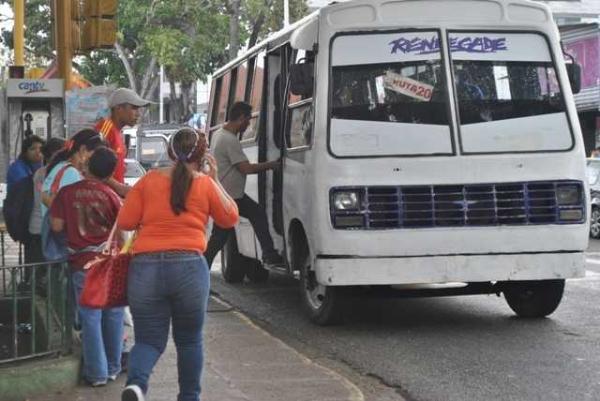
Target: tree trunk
[
  {"x": 188, "y": 100},
  {"x": 256, "y": 27},
  {"x": 234, "y": 28},
  {"x": 127, "y": 65},
  {"x": 146, "y": 81},
  {"x": 174, "y": 104}
]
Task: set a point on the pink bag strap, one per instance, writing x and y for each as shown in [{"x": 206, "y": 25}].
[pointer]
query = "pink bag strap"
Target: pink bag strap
[{"x": 109, "y": 249}]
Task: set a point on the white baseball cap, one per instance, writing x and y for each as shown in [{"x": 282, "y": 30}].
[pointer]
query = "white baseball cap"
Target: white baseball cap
[{"x": 126, "y": 96}]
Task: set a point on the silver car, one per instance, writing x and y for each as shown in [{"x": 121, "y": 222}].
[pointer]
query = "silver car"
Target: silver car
[{"x": 133, "y": 171}]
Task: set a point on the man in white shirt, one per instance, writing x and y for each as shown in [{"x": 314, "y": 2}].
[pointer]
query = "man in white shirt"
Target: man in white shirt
[{"x": 233, "y": 168}]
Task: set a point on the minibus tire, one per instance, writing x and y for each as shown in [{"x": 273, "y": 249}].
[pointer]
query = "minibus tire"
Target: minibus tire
[
  {"x": 330, "y": 311},
  {"x": 255, "y": 271},
  {"x": 534, "y": 299},
  {"x": 232, "y": 263}
]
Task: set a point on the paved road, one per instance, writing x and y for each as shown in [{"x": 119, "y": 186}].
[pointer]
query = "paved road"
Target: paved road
[{"x": 451, "y": 349}]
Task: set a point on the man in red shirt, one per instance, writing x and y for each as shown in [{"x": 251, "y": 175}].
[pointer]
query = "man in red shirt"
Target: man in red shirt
[
  {"x": 86, "y": 212},
  {"x": 124, "y": 107}
]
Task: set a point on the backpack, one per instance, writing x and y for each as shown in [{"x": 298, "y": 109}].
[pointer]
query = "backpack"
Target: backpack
[{"x": 17, "y": 209}]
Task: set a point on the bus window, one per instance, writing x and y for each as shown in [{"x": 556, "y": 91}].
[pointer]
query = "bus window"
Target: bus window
[
  {"x": 223, "y": 103},
  {"x": 300, "y": 116},
  {"x": 215, "y": 95},
  {"x": 300, "y": 125},
  {"x": 233, "y": 82},
  {"x": 255, "y": 82},
  {"x": 250, "y": 76},
  {"x": 301, "y": 76},
  {"x": 514, "y": 90},
  {"x": 240, "y": 87}
]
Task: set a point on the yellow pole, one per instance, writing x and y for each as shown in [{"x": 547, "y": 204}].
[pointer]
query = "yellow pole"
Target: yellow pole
[
  {"x": 18, "y": 31},
  {"x": 64, "y": 51}
]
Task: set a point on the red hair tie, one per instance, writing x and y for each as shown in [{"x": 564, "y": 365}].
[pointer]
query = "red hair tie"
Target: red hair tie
[{"x": 69, "y": 145}]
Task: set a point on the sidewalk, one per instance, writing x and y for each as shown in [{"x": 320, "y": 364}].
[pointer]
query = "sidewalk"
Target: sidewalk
[{"x": 242, "y": 363}]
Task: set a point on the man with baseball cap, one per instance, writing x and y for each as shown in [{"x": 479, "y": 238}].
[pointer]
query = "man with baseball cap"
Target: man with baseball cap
[{"x": 124, "y": 107}]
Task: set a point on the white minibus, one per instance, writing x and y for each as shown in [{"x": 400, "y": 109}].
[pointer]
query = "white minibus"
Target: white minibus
[{"x": 431, "y": 145}]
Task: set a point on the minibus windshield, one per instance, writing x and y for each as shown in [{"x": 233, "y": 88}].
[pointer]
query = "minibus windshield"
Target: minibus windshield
[
  {"x": 508, "y": 93},
  {"x": 389, "y": 95},
  {"x": 393, "y": 92}
]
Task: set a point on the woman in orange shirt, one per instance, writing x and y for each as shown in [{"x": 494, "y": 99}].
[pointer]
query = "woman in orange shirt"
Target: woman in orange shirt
[{"x": 168, "y": 276}]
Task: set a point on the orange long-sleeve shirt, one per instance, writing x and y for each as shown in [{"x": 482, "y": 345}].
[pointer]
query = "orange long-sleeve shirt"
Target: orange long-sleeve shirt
[{"x": 147, "y": 208}]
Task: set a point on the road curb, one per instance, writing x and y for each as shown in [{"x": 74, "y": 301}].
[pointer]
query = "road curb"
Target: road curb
[{"x": 355, "y": 393}]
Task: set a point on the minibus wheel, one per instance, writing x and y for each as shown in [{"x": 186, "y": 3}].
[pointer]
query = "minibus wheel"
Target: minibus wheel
[
  {"x": 232, "y": 263},
  {"x": 322, "y": 303},
  {"x": 532, "y": 299}
]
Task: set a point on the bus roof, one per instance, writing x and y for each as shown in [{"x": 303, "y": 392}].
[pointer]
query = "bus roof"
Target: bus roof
[
  {"x": 270, "y": 38},
  {"x": 345, "y": 6}
]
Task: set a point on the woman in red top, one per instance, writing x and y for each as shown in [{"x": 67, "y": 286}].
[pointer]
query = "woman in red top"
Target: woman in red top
[{"x": 168, "y": 276}]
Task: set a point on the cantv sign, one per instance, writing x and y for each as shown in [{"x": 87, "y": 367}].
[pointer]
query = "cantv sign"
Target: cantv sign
[
  {"x": 467, "y": 44},
  {"x": 32, "y": 87},
  {"x": 35, "y": 88}
]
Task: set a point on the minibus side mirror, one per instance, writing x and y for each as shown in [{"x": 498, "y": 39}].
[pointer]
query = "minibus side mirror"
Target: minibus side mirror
[
  {"x": 301, "y": 79},
  {"x": 574, "y": 73}
]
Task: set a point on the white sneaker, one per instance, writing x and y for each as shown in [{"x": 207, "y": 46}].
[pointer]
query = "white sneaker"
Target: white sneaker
[
  {"x": 112, "y": 378},
  {"x": 132, "y": 393}
]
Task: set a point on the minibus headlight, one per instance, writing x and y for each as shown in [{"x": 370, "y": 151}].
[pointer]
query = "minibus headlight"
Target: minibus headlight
[
  {"x": 567, "y": 195},
  {"x": 346, "y": 200}
]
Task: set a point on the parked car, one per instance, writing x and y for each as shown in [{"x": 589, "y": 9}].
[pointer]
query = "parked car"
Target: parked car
[
  {"x": 593, "y": 175},
  {"x": 133, "y": 171},
  {"x": 152, "y": 144}
]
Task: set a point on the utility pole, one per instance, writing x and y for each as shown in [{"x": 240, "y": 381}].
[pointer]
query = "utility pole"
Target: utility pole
[
  {"x": 161, "y": 107},
  {"x": 286, "y": 13},
  {"x": 18, "y": 32},
  {"x": 64, "y": 45}
]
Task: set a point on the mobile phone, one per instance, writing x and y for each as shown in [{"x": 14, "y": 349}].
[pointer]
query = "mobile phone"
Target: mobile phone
[{"x": 205, "y": 165}]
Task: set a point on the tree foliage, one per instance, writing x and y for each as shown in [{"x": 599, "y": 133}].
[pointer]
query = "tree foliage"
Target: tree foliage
[
  {"x": 39, "y": 46},
  {"x": 190, "y": 38}
]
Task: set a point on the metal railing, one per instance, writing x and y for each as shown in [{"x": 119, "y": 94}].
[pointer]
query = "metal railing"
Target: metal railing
[
  {"x": 11, "y": 252},
  {"x": 35, "y": 308}
]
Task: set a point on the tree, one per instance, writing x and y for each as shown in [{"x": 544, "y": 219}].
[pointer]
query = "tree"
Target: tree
[
  {"x": 252, "y": 20},
  {"x": 266, "y": 16},
  {"x": 190, "y": 38},
  {"x": 39, "y": 47}
]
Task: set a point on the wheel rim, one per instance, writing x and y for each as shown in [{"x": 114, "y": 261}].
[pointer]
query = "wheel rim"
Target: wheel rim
[
  {"x": 595, "y": 223},
  {"x": 315, "y": 292}
]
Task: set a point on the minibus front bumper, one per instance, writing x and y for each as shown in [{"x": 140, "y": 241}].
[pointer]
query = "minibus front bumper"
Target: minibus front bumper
[{"x": 339, "y": 270}]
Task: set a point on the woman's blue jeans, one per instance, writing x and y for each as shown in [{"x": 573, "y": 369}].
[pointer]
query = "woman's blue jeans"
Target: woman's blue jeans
[
  {"x": 165, "y": 287},
  {"x": 102, "y": 337}
]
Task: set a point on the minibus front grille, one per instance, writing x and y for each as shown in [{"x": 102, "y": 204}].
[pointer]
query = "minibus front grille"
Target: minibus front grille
[{"x": 388, "y": 207}]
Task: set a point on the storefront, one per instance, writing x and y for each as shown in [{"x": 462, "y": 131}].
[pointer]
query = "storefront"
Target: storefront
[{"x": 582, "y": 41}]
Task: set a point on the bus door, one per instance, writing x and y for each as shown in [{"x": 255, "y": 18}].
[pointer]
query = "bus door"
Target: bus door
[
  {"x": 272, "y": 144},
  {"x": 298, "y": 132}
]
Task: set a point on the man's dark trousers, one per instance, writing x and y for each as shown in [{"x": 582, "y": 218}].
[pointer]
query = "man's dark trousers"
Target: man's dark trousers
[{"x": 251, "y": 210}]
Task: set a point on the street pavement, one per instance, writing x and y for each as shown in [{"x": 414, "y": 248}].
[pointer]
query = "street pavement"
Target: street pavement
[
  {"x": 444, "y": 349},
  {"x": 426, "y": 349},
  {"x": 242, "y": 363}
]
